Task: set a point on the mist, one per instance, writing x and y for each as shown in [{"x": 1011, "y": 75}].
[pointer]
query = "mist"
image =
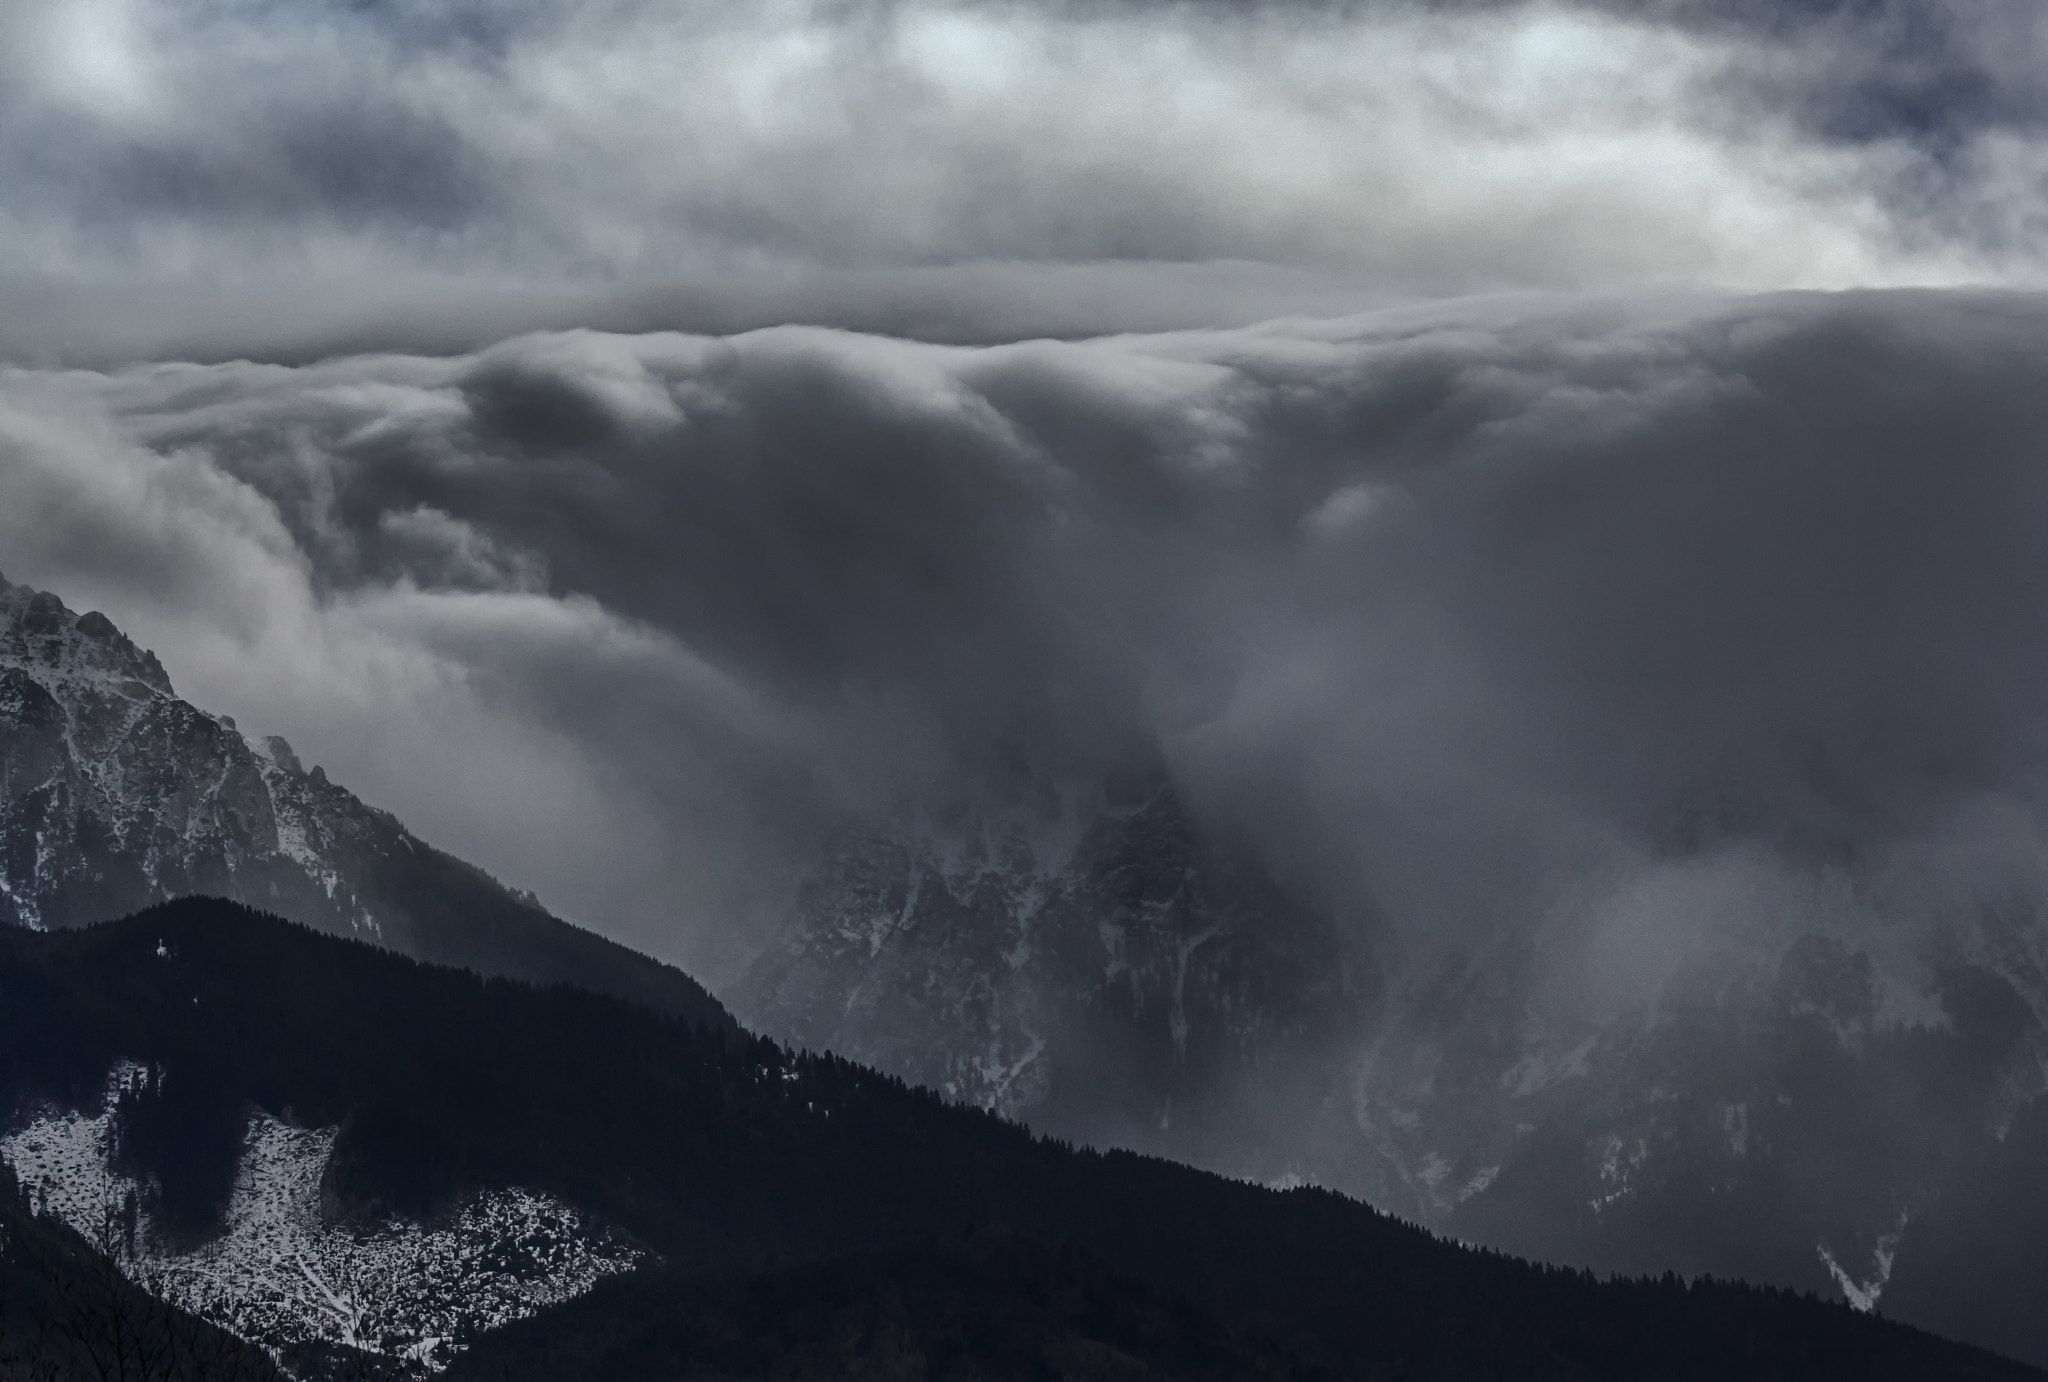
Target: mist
[
  {"x": 1632, "y": 623},
  {"x": 1533, "y": 507}
]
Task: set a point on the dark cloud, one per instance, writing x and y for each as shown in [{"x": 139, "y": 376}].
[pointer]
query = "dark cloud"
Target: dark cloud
[
  {"x": 635, "y": 441},
  {"x": 1458, "y": 611}
]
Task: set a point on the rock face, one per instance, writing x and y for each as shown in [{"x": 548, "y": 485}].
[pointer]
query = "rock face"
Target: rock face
[
  {"x": 1835, "y": 1112},
  {"x": 115, "y": 794},
  {"x": 1824, "y": 1104},
  {"x": 1857, "y": 1113},
  {"x": 1099, "y": 967}
]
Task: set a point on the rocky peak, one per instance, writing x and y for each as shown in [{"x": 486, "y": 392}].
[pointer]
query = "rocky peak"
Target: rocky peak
[
  {"x": 280, "y": 753},
  {"x": 38, "y": 634},
  {"x": 1114, "y": 971},
  {"x": 115, "y": 794},
  {"x": 1106, "y": 967}
]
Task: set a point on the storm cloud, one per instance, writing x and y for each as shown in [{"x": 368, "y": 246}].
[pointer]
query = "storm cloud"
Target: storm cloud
[
  {"x": 225, "y": 177},
  {"x": 1557, "y": 487},
  {"x": 1671, "y": 616}
]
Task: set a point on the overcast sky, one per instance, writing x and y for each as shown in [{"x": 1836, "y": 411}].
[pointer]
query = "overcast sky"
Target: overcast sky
[
  {"x": 229, "y": 177},
  {"x": 620, "y": 437}
]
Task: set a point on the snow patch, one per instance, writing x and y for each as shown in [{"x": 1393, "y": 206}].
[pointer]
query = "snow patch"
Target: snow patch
[
  {"x": 1538, "y": 1069},
  {"x": 1863, "y": 1295},
  {"x": 280, "y": 1276},
  {"x": 1620, "y": 1159},
  {"x": 1482, "y": 1178},
  {"x": 1735, "y": 1123}
]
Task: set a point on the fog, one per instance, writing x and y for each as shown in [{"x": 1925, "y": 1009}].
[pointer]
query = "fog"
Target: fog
[
  {"x": 1559, "y": 484},
  {"x": 1681, "y": 612}
]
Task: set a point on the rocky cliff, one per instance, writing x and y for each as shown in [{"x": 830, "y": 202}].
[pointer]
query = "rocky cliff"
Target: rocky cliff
[
  {"x": 115, "y": 793},
  {"x": 1099, "y": 965},
  {"x": 1820, "y": 1102}
]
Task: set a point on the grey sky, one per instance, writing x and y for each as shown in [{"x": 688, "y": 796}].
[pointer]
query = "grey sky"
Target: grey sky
[{"x": 198, "y": 175}]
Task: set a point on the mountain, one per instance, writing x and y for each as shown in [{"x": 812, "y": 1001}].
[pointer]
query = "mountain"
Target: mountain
[
  {"x": 114, "y": 793},
  {"x": 989, "y": 1302},
  {"x": 1832, "y": 1112},
  {"x": 69, "y": 1311},
  {"x": 1853, "y": 1112},
  {"x": 787, "y": 1215},
  {"x": 1100, "y": 968}
]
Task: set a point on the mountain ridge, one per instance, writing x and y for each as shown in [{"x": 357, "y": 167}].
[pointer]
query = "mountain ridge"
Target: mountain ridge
[
  {"x": 115, "y": 793},
  {"x": 1828, "y": 1110},
  {"x": 1106, "y": 970},
  {"x": 737, "y": 1159}
]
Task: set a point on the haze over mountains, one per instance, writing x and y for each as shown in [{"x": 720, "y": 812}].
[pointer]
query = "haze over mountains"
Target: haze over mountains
[
  {"x": 780, "y": 1214},
  {"x": 1110, "y": 968},
  {"x": 1441, "y": 600},
  {"x": 115, "y": 794}
]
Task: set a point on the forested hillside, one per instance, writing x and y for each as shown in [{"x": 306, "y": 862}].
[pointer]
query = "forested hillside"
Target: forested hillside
[{"x": 810, "y": 1217}]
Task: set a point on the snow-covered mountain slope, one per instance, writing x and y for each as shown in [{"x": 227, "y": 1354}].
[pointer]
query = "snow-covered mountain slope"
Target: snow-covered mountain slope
[
  {"x": 287, "y": 1272},
  {"x": 114, "y": 794},
  {"x": 1101, "y": 968},
  {"x": 1818, "y": 1106}
]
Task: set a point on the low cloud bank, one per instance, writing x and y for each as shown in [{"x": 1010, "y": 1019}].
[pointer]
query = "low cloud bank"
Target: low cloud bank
[{"x": 1653, "y": 621}]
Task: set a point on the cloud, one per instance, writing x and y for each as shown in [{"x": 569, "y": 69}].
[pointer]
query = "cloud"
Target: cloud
[
  {"x": 456, "y": 172},
  {"x": 1471, "y": 616},
  {"x": 633, "y": 440}
]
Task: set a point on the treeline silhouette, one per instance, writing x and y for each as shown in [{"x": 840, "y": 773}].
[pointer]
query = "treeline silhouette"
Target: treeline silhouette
[
  {"x": 815, "y": 1218},
  {"x": 85, "y": 1307}
]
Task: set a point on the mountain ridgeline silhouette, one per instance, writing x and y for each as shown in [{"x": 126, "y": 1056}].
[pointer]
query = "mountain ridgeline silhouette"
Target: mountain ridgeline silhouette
[{"x": 802, "y": 1216}]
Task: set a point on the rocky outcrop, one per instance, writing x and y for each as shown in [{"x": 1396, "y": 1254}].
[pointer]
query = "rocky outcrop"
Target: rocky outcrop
[
  {"x": 1857, "y": 1112},
  {"x": 1104, "y": 969},
  {"x": 115, "y": 794}
]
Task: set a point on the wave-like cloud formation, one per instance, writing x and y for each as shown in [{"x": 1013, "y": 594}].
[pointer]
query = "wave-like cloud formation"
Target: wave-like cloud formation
[
  {"x": 329, "y": 153},
  {"x": 1466, "y": 614}
]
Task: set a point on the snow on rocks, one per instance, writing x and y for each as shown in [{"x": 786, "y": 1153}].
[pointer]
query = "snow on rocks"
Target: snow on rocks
[
  {"x": 282, "y": 1276},
  {"x": 1863, "y": 1295},
  {"x": 115, "y": 794}
]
